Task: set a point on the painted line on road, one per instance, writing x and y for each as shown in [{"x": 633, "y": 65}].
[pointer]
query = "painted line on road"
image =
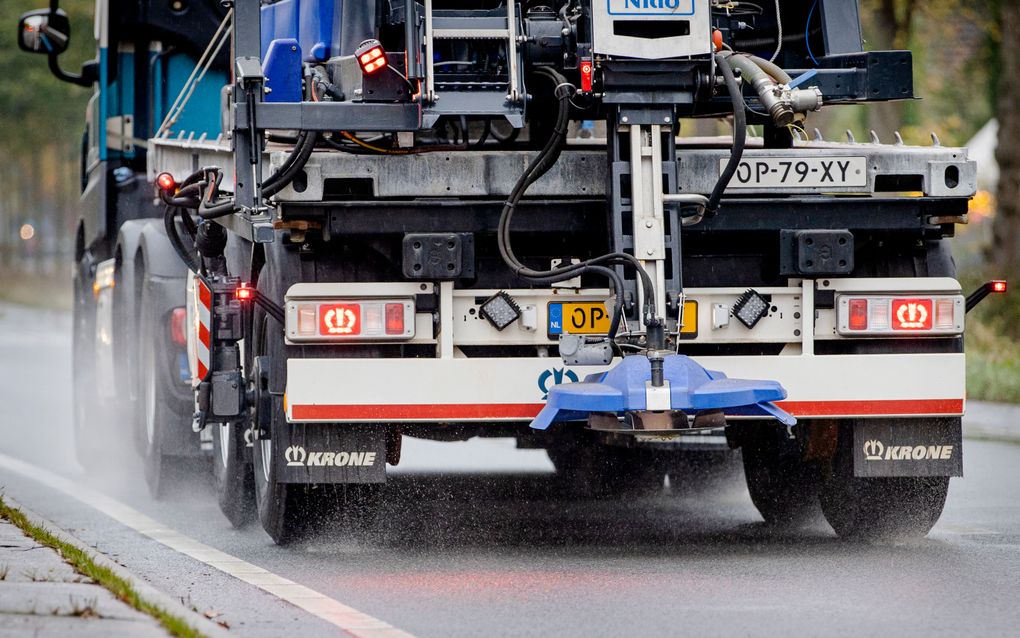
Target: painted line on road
[{"x": 348, "y": 619}]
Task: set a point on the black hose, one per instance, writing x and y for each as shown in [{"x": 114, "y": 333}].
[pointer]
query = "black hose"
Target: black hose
[
  {"x": 541, "y": 163},
  {"x": 739, "y": 135},
  {"x": 292, "y": 165},
  {"x": 175, "y": 239}
]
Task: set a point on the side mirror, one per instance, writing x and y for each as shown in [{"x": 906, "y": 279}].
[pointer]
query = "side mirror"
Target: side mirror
[{"x": 44, "y": 31}]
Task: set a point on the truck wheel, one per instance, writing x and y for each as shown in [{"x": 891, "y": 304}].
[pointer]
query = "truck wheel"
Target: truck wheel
[
  {"x": 232, "y": 474},
  {"x": 157, "y": 411},
  {"x": 283, "y": 509},
  {"x": 879, "y": 508},
  {"x": 88, "y": 439},
  {"x": 783, "y": 488}
]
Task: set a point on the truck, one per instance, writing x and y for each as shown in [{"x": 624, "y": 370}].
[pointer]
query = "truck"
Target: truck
[{"x": 311, "y": 228}]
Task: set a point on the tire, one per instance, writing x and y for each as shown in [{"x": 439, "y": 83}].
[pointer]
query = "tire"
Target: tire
[
  {"x": 87, "y": 418},
  {"x": 232, "y": 473},
  {"x": 290, "y": 512},
  {"x": 157, "y": 409},
  {"x": 783, "y": 488},
  {"x": 587, "y": 468},
  {"x": 879, "y": 508}
]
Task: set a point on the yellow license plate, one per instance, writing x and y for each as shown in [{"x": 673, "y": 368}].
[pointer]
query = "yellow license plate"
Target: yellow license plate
[{"x": 592, "y": 318}]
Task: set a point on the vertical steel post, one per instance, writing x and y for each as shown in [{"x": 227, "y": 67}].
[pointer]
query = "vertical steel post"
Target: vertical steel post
[{"x": 247, "y": 44}]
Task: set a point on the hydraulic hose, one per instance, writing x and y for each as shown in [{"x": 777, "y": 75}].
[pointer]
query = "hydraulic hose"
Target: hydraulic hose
[
  {"x": 292, "y": 165},
  {"x": 542, "y": 162},
  {"x": 771, "y": 68},
  {"x": 175, "y": 239},
  {"x": 739, "y": 130}
]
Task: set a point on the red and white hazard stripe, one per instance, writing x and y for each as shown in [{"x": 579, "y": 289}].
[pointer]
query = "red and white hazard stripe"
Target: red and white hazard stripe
[{"x": 202, "y": 304}]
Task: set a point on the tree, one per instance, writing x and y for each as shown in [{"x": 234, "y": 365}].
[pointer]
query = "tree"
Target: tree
[{"x": 1005, "y": 253}]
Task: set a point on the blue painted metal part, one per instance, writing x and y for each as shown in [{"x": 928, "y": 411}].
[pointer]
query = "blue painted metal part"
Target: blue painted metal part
[
  {"x": 315, "y": 24},
  {"x": 282, "y": 67},
  {"x": 802, "y": 78},
  {"x": 692, "y": 389}
]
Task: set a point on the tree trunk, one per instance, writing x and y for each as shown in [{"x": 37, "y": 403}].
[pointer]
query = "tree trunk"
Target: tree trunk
[{"x": 1005, "y": 253}]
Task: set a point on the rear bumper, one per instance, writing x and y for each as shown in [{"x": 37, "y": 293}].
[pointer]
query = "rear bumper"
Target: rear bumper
[{"x": 514, "y": 389}]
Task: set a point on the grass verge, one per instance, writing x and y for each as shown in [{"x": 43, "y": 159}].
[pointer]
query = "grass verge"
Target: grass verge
[
  {"x": 105, "y": 577},
  {"x": 993, "y": 365},
  {"x": 36, "y": 291}
]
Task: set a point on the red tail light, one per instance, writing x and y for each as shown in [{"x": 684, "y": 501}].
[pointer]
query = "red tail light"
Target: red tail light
[
  {"x": 178, "y": 322},
  {"x": 337, "y": 320},
  {"x": 999, "y": 286},
  {"x": 166, "y": 183},
  {"x": 394, "y": 318},
  {"x": 371, "y": 56},
  {"x": 363, "y": 319},
  {"x": 884, "y": 315},
  {"x": 858, "y": 314}
]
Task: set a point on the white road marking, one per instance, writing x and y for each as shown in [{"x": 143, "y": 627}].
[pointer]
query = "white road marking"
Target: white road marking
[{"x": 348, "y": 619}]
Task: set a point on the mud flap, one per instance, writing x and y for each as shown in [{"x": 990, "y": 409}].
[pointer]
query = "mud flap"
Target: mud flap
[
  {"x": 908, "y": 447},
  {"x": 330, "y": 453}
]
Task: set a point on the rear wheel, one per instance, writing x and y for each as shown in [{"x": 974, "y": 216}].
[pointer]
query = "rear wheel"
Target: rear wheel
[
  {"x": 782, "y": 486},
  {"x": 879, "y": 508},
  {"x": 232, "y": 473},
  {"x": 159, "y": 411},
  {"x": 89, "y": 444}
]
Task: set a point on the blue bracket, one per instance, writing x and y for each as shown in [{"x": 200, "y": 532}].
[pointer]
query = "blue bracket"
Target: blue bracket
[
  {"x": 803, "y": 77},
  {"x": 692, "y": 389}
]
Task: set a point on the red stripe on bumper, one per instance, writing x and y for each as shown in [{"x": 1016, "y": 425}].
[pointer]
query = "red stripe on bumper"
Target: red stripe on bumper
[
  {"x": 481, "y": 411},
  {"x": 866, "y": 408},
  {"x": 447, "y": 412}
]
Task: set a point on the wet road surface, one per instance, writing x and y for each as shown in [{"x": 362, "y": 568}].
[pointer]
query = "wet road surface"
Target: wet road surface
[{"x": 474, "y": 540}]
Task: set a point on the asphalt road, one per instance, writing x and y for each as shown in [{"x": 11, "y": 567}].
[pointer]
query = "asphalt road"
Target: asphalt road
[{"x": 473, "y": 541}]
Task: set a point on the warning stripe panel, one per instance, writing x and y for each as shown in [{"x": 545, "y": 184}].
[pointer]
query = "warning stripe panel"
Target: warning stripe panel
[
  {"x": 527, "y": 411},
  {"x": 203, "y": 329},
  {"x": 204, "y": 294}
]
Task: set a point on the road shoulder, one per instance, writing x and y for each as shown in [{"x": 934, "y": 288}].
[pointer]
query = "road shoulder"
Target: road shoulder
[
  {"x": 51, "y": 583},
  {"x": 992, "y": 421}
]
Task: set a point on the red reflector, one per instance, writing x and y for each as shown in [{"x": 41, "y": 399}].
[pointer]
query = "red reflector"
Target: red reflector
[
  {"x": 178, "y": 319},
  {"x": 998, "y": 286},
  {"x": 244, "y": 293},
  {"x": 394, "y": 318},
  {"x": 912, "y": 314},
  {"x": 166, "y": 182},
  {"x": 586, "y": 76},
  {"x": 858, "y": 314},
  {"x": 339, "y": 319}
]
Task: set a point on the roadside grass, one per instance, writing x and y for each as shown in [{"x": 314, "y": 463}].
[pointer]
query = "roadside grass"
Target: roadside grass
[
  {"x": 993, "y": 364},
  {"x": 85, "y": 566},
  {"x": 37, "y": 291}
]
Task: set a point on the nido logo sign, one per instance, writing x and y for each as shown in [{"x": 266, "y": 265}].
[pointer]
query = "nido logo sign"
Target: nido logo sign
[
  {"x": 875, "y": 450},
  {"x": 297, "y": 456}
]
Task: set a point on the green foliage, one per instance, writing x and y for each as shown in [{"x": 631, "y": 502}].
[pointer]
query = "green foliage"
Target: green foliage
[{"x": 36, "y": 109}]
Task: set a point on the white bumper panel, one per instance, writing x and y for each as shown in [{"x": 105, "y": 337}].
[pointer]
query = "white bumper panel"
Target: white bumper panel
[{"x": 454, "y": 390}]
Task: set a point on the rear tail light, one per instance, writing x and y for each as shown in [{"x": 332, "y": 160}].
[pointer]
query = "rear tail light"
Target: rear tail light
[
  {"x": 858, "y": 317},
  {"x": 350, "y": 320},
  {"x": 371, "y": 56},
  {"x": 394, "y": 319},
  {"x": 886, "y": 315},
  {"x": 178, "y": 321}
]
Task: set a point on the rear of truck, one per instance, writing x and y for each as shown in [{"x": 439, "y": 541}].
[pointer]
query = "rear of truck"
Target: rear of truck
[{"x": 410, "y": 231}]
